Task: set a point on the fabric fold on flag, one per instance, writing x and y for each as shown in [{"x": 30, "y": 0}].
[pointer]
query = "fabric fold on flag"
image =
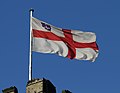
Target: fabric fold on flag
[{"x": 67, "y": 43}]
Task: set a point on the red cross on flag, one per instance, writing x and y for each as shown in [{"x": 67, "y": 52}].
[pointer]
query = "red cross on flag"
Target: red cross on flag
[{"x": 67, "y": 43}]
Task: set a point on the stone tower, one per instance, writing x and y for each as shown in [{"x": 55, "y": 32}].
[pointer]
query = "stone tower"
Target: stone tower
[
  {"x": 40, "y": 86},
  {"x": 10, "y": 90}
]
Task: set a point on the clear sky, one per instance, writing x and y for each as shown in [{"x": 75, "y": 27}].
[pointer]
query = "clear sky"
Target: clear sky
[{"x": 99, "y": 16}]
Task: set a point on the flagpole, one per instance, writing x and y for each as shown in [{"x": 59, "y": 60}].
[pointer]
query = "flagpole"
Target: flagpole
[{"x": 30, "y": 46}]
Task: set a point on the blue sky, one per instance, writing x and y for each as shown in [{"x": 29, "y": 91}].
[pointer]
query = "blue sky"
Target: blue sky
[{"x": 99, "y": 16}]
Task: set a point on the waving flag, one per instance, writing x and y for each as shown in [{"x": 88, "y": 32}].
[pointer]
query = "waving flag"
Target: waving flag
[{"x": 67, "y": 43}]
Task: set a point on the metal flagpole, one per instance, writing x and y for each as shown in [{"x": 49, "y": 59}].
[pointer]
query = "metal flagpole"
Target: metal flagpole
[{"x": 30, "y": 49}]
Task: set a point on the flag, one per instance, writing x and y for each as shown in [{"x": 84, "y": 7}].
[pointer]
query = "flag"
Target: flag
[{"x": 67, "y": 43}]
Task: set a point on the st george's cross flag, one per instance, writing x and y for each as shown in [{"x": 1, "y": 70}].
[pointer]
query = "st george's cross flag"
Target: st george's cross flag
[{"x": 67, "y": 43}]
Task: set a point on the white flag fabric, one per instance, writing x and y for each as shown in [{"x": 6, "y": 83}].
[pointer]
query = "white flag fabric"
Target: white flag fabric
[{"x": 67, "y": 43}]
